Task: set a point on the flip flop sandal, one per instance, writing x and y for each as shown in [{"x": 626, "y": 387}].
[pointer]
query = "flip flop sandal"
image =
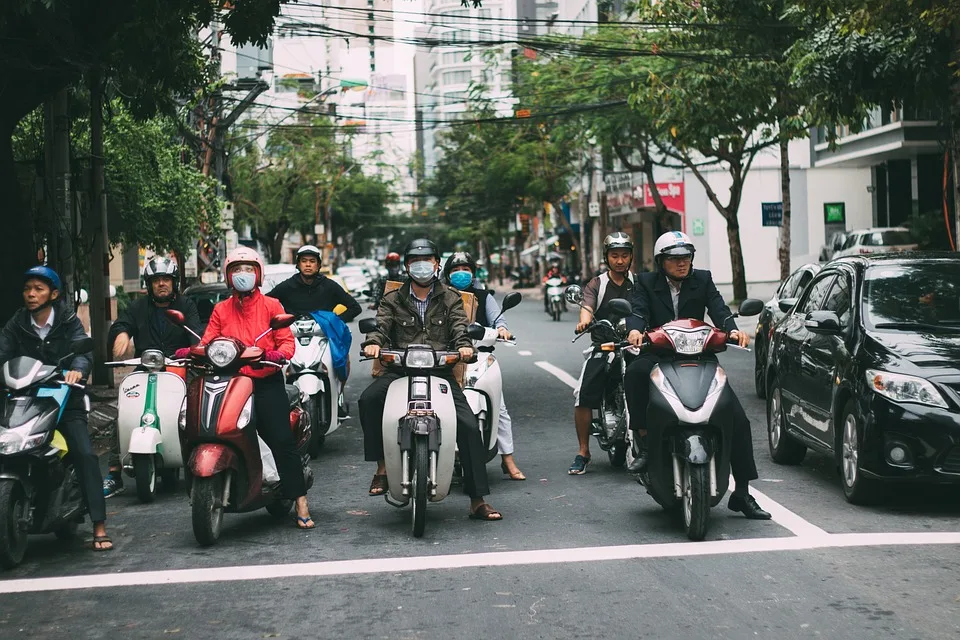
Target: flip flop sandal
[
  {"x": 485, "y": 512},
  {"x": 516, "y": 475},
  {"x": 100, "y": 540},
  {"x": 301, "y": 523},
  {"x": 379, "y": 485}
]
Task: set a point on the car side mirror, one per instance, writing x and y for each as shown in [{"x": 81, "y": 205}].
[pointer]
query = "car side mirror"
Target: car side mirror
[
  {"x": 368, "y": 325},
  {"x": 176, "y": 317},
  {"x": 825, "y": 322},
  {"x": 786, "y": 304},
  {"x": 619, "y": 307},
  {"x": 573, "y": 294},
  {"x": 750, "y": 307},
  {"x": 282, "y": 321},
  {"x": 475, "y": 331},
  {"x": 511, "y": 300}
]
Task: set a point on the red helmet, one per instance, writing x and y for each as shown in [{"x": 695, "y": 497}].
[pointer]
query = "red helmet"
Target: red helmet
[
  {"x": 242, "y": 255},
  {"x": 393, "y": 258}
]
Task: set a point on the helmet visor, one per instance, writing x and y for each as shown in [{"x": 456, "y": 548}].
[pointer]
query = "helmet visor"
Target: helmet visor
[{"x": 678, "y": 251}]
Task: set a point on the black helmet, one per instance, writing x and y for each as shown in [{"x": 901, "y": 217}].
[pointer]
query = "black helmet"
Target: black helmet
[
  {"x": 458, "y": 259},
  {"x": 420, "y": 247}
]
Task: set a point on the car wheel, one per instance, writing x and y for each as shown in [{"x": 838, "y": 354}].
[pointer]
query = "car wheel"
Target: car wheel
[
  {"x": 857, "y": 488},
  {"x": 760, "y": 367},
  {"x": 784, "y": 449}
]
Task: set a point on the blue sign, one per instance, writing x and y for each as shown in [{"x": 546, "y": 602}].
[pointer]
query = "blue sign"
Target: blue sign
[{"x": 772, "y": 214}]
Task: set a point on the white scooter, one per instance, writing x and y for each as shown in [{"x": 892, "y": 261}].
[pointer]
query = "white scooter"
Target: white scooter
[
  {"x": 484, "y": 383},
  {"x": 148, "y": 411},
  {"x": 554, "y": 293},
  {"x": 417, "y": 413},
  {"x": 311, "y": 370}
]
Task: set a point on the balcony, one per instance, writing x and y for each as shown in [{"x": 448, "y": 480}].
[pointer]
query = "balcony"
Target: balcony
[{"x": 887, "y": 135}]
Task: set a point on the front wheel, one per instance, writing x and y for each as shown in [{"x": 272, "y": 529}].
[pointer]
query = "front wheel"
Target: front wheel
[
  {"x": 856, "y": 488},
  {"x": 13, "y": 538},
  {"x": 317, "y": 439},
  {"x": 207, "y": 506},
  {"x": 421, "y": 477},
  {"x": 145, "y": 472},
  {"x": 695, "y": 483}
]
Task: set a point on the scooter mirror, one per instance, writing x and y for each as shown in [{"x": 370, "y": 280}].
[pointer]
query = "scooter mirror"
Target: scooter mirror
[
  {"x": 619, "y": 307},
  {"x": 367, "y": 325},
  {"x": 176, "y": 317},
  {"x": 573, "y": 294},
  {"x": 511, "y": 300},
  {"x": 751, "y": 307},
  {"x": 476, "y": 331},
  {"x": 282, "y": 321}
]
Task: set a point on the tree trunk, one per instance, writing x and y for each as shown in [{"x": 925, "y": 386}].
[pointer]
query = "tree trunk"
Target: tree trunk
[
  {"x": 96, "y": 229},
  {"x": 736, "y": 260},
  {"x": 276, "y": 243},
  {"x": 17, "y": 250},
  {"x": 784, "y": 251}
]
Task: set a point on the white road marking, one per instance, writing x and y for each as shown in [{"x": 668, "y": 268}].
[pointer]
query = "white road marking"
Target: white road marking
[
  {"x": 493, "y": 559},
  {"x": 559, "y": 373},
  {"x": 524, "y": 353}
]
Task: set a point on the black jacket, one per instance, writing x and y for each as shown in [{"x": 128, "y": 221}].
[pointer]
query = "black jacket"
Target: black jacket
[
  {"x": 323, "y": 294},
  {"x": 698, "y": 295},
  {"x": 144, "y": 322},
  {"x": 19, "y": 339}
]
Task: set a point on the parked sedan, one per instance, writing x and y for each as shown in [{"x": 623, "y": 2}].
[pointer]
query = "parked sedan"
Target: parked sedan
[
  {"x": 865, "y": 367},
  {"x": 791, "y": 288},
  {"x": 879, "y": 240}
]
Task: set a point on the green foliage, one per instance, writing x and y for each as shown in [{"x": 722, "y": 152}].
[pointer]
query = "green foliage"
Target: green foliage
[{"x": 930, "y": 230}]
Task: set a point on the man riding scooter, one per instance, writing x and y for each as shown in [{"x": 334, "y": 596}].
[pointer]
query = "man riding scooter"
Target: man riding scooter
[
  {"x": 395, "y": 273},
  {"x": 309, "y": 290},
  {"x": 424, "y": 311},
  {"x": 144, "y": 322},
  {"x": 677, "y": 290}
]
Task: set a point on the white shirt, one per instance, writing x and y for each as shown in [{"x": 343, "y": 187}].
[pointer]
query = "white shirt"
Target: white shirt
[
  {"x": 45, "y": 329},
  {"x": 675, "y": 294}
]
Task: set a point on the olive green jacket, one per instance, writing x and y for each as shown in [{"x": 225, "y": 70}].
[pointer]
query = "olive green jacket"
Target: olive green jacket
[{"x": 399, "y": 325}]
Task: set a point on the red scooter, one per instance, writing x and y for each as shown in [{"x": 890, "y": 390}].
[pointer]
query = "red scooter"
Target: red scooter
[{"x": 218, "y": 435}]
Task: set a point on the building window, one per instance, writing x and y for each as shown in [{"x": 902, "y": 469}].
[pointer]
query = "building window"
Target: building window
[
  {"x": 454, "y": 97},
  {"x": 454, "y": 57},
  {"x": 456, "y": 77}
]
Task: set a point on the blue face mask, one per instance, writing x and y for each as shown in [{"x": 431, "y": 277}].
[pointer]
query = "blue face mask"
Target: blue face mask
[
  {"x": 461, "y": 279},
  {"x": 244, "y": 282}
]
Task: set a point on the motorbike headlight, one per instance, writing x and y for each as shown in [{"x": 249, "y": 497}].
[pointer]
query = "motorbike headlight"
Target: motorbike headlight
[
  {"x": 222, "y": 352},
  {"x": 182, "y": 419},
  {"x": 245, "y": 414},
  {"x": 688, "y": 342},
  {"x": 148, "y": 420},
  {"x": 20, "y": 439},
  {"x": 903, "y": 388},
  {"x": 152, "y": 359},
  {"x": 420, "y": 359}
]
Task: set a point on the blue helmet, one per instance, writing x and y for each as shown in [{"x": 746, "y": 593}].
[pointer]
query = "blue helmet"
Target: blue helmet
[{"x": 46, "y": 274}]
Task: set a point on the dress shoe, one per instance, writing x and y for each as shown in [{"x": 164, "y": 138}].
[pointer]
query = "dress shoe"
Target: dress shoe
[
  {"x": 748, "y": 506},
  {"x": 639, "y": 463}
]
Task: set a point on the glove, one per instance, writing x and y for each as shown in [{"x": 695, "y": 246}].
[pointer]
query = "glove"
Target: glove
[
  {"x": 181, "y": 353},
  {"x": 274, "y": 356}
]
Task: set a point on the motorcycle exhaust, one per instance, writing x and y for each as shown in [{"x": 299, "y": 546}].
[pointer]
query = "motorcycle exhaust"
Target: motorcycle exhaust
[
  {"x": 405, "y": 473},
  {"x": 433, "y": 473}
]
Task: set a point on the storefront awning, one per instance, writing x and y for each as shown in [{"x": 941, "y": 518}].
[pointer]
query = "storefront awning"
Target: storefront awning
[{"x": 536, "y": 248}]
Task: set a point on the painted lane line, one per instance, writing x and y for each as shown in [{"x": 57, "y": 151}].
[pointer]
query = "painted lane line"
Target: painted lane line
[
  {"x": 560, "y": 374},
  {"x": 524, "y": 353},
  {"x": 493, "y": 559}
]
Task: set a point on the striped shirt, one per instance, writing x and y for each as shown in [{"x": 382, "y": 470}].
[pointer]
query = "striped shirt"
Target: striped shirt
[{"x": 421, "y": 305}]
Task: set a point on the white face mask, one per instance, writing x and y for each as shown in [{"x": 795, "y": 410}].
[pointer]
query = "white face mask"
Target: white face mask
[
  {"x": 422, "y": 272},
  {"x": 244, "y": 282}
]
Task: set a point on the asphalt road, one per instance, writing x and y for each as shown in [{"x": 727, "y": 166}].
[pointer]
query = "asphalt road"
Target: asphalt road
[{"x": 575, "y": 556}]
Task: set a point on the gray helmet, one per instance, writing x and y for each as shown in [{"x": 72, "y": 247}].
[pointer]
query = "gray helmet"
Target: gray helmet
[
  {"x": 617, "y": 240},
  {"x": 161, "y": 266},
  {"x": 420, "y": 247}
]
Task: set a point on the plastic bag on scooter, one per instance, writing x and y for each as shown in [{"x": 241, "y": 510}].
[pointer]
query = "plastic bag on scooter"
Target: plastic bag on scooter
[{"x": 270, "y": 473}]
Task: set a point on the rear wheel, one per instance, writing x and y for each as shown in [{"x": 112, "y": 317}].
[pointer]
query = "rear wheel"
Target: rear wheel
[
  {"x": 856, "y": 488},
  {"x": 13, "y": 539},
  {"x": 145, "y": 471},
  {"x": 695, "y": 482},
  {"x": 421, "y": 476},
  {"x": 207, "y": 508},
  {"x": 783, "y": 448}
]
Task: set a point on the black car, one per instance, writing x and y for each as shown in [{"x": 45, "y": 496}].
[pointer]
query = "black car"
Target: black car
[
  {"x": 206, "y": 296},
  {"x": 791, "y": 288},
  {"x": 865, "y": 367}
]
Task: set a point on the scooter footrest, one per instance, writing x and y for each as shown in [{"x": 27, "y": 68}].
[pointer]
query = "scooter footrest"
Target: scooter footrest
[{"x": 393, "y": 503}]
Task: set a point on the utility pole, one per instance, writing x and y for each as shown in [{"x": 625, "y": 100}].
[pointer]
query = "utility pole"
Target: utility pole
[
  {"x": 97, "y": 229},
  {"x": 57, "y": 192}
]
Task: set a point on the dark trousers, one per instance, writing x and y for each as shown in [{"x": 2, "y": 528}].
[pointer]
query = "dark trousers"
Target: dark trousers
[
  {"x": 273, "y": 425},
  {"x": 636, "y": 386},
  {"x": 469, "y": 440},
  {"x": 73, "y": 426}
]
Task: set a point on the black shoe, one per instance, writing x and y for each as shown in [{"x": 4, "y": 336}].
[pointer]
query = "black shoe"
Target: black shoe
[
  {"x": 639, "y": 464},
  {"x": 747, "y": 506}
]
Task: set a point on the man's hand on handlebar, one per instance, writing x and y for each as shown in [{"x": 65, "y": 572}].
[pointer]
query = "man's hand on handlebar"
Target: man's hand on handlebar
[
  {"x": 504, "y": 333},
  {"x": 582, "y": 326},
  {"x": 72, "y": 377},
  {"x": 372, "y": 351},
  {"x": 466, "y": 353},
  {"x": 742, "y": 339},
  {"x": 635, "y": 338}
]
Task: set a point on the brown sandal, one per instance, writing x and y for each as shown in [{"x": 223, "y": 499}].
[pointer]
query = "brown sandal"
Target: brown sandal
[
  {"x": 100, "y": 541},
  {"x": 379, "y": 485},
  {"x": 486, "y": 512},
  {"x": 514, "y": 475}
]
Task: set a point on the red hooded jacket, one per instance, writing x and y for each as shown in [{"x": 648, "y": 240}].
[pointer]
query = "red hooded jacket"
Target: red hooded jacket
[{"x": 246, "y": 318}]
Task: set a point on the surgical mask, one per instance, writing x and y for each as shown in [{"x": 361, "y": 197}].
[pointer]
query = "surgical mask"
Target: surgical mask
[
  {"x": 422, "y": 272},
  {"x": 461, "y": 279},
  {"x": 244, "y": 282}
]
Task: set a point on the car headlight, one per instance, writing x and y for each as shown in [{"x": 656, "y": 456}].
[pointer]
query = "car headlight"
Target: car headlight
[
  {"x": 420, "y": 359},
  {"x": 152, "y": 359},
  {"x": 245, "y": 414},
  {"x": 222, "y": 352},
  {"x": 688, "y": 342},
  {"x": 903, "y": 388}
]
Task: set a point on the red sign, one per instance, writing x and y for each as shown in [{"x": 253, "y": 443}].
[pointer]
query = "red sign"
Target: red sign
[
  {"x": 529, "y": 53},
  {"x": 670, "y": 192}
]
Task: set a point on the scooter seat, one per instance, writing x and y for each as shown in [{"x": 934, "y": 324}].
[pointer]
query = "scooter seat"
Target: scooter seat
[{"x": 293, "y": 394}]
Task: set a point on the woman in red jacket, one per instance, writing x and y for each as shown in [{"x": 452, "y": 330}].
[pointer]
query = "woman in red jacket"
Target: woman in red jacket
[{"x": 245, "y": 315}]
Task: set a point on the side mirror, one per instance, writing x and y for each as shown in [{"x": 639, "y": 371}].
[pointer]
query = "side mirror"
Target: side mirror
[
  {"x": 751, "y": 307},
  {"x": 573, "y": 294},
  {"x": 619, "y": 307},
  {"x": 511, "y": 300},
  {"x": 786, "y": 304},
  {"x": 824, "y": 322},
  {"x": 368, "y": 325},
  {"x": 83, "y": 345},
  {"x": 475, "y": 331},
  {"x": 282, "y": 321},
  {"x": 176, "y": 317}
]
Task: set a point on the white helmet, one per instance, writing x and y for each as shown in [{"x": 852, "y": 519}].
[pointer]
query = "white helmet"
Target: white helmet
[{"x": 674, "y": 243}]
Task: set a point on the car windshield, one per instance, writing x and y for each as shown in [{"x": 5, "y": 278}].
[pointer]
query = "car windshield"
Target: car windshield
[
  {"x": 886, "y": 238},
  {"x": 925, "y": 293}
]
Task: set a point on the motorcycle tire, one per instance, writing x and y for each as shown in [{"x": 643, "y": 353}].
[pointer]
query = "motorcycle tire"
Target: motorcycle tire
[
  {"x": 13, "y": 539},
  {"x": 696, "y": 500},
  {"x": 316, "y": 438},
  {"x": 145, "y": 472},
  {"x": 169, "y": 478},
  {"x": 280, "y": 509},
  {"x": 618, "y": 454},
  {"x": 421, "y": 478},
  {"x": 207, "y": 510}
]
